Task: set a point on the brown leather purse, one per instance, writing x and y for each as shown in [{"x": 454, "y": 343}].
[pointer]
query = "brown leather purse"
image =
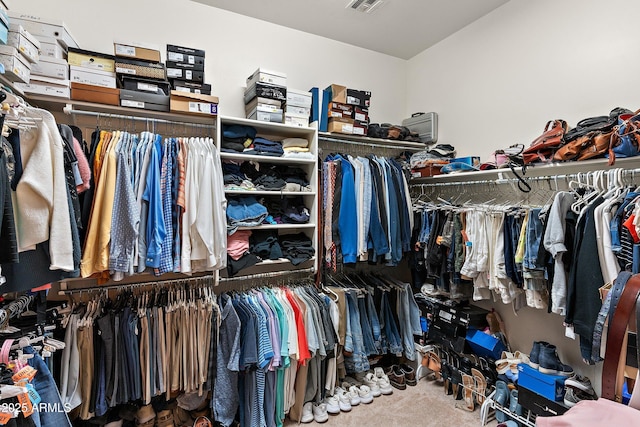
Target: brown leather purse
[
  {"x": 543, "y": 147},
  {"x": 593, "y": 144}
]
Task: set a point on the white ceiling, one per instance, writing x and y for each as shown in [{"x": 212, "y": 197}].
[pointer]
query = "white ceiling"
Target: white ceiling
[{"x": 401, "y": 28}]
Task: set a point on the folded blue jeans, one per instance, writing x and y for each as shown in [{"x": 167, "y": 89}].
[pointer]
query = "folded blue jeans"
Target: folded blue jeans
[
  {"x": 390, "y": 327},
  {"x": 358, "y": 361},
  {"x": 365, "y": 324},
  {"x": 409, "y": 318},
  {"x": 375, "y": 323}
]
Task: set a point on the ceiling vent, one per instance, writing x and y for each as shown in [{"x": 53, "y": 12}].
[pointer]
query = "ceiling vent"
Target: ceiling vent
[{"x": 365, "y": 6}]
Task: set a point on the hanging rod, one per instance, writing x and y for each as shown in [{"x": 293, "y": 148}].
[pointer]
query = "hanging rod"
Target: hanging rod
[
  {"x": 161, "y": 283},
  {"x": 367, "y": 142},
  {"x": 68, "y": 109},
  {"x": 266, "y": 275},
  {"x": 625, "y": 172}
]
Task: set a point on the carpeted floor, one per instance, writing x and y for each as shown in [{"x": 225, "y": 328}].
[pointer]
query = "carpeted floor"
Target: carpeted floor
[{"x": 423, "y": 405}]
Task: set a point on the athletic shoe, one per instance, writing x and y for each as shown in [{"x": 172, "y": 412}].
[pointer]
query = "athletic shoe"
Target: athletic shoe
[
  {"x": 333, "y": 404},
  {"x": 320, "y": 413},
  {"x": 364, "y": 392},
  {"x": 307, "y": 413},
  {"x": 371, "y": 381}
]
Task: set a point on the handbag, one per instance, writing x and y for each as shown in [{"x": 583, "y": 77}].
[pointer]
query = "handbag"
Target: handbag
[
  {"x": 626, "y": 137},
  {"x": 588, "y": 146},
  {"x": 543, "y": 147}
]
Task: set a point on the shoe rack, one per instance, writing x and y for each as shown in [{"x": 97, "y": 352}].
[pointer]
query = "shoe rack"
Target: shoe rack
[{"x": 490, "y": 407}]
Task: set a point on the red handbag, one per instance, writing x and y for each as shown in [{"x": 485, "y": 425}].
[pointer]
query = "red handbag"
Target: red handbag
[{"x": 544, "y": 146}]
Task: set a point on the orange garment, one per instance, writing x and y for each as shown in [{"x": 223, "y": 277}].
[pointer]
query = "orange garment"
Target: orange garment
[
  {"x": 632, "y": 228},
  {"x": 303, "y": 345}
]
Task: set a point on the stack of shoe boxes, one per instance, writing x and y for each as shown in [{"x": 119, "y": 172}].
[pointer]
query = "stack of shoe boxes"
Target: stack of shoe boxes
[
  {"x": 345, "y": 110},
  {"x": 17, "y": 56},
  {"x": 185, "y": 69},
  {"x": 50, "y": 74},
  {"x": 93, "y": 76},
  {"x": 266, "y": 96},
  {"x": 298, "y": 108},
  {"x": 141, "y": 76}
]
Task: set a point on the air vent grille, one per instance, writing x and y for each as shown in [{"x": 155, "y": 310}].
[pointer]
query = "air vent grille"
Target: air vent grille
[{"x": 365, "y": 6}]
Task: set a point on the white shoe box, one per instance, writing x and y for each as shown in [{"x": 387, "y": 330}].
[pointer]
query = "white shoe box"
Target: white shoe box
[{"x": 51, "y": 67}]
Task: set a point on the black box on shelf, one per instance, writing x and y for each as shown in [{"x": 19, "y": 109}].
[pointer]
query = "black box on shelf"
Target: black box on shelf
[
  {"x": 265, "y": 90},
  {"x": 186, "y": 65},
  {"x": 187, "y": 51},
  {"x": 145, "y": 101},
  {"x": 361, "y": 98},
  {"x": 186, "y": 75},
  {"x": 191, "y": 87},
  {"x": 146, "y": 85}
]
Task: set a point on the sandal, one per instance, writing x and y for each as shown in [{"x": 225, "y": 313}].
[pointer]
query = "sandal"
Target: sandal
[
  {"x": 467, "y": 393},
  {"x": 480, "y": 385}
]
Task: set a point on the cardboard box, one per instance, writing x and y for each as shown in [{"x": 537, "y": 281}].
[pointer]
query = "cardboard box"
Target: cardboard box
[
  {"x": 340, "y": 114},
  {"x": 191, "y": 87},
  {"x": 44, "y": 27},
  {"x": 485, "y": 344},
  {"x": 92, "y": 76},
  {"x": 185, "y": 58},
  {"x": 46, "y": 86},
  {"x": 49, "y": 47},
  {"x": 299, "y": 98},
  {"x": 143, "y": 51},
  {"x": 540, "y": 405},
  {"x": 266, "y": 103},
  {"x": 135, "y": 67},
  {"x": 548, "y": 386},
  {"x": 22, "y": 40},
  {"x": 337, "y": 93},
  {"x": 266, "y": 76},
  {"x": 296, "y": 120},
  {"x": 360, "y": 98},
  {"x": 89, "y": 59},
  {"x": 186, "y": 65},
  {"x": 265, "y": 90},
  {"x": 262, "y": 108},
  {"x": 97, "y": 94},
  {"x": 341, "y": 107},
  {"x": 145, "y": 101},
  {"x": 360, "y": 128},
  {"x": 185, "y": 75},
  {"x": 194, "y": 103},
  {"x": 51, "y": 67},
  {"x": 16, "y": 67},
  {"x": 341, "y": 125},
  {"x": 361, "y": 114},
  {"x": 146, "y": 86},
  {"x": 185, "y": 51},
  {"x": 300, "y": 111},
  {"x": 266, "y": 116}
]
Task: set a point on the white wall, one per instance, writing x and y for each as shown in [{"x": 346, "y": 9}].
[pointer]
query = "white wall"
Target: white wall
[
  {"x": 235, "y": 46},
  {"x": 499, "y": 80}
]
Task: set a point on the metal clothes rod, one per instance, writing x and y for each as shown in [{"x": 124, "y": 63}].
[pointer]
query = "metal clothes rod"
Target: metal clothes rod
[
  {"x": 367, "y": 144},
  {"x": 136, "y": 118},
  {"x": 266, "y": 275},
  {"x": 181, "y": 281},
  {"x": 625, "y": 172}
]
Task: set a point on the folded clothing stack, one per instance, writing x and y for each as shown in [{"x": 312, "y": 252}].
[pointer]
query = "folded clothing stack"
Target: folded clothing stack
[
  {"x": 297, "y": 248},
  {"x": 296, "y": 148},
  {"x": 234, "y": 178},
  {"x": 265, "y": 147},
  {"x": 265, "y": 177},
  {"x": 236, "y": 138},
  {"x": 238, "y": 244},
  {"x": 264, "y": 244},
  {"x": 294, "y": 211},
  {"x": 244, "y": 212}
]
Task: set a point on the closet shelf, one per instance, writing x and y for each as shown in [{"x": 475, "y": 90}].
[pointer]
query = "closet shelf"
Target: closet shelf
[
  {"x": 59, "y": 105},
  {"x": 269, "y": 128},
  {"x": 551, "y": 170},
  {"x": 269, "y": 193},
  {"x": 279, "y": 227},
  {"x": 366, "y": 141},
  {"x": 265, "y": 159}
]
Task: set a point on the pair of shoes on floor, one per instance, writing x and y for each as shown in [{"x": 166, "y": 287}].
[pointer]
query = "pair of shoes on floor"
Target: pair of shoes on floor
[
  {"x": 314, "y": 412},
  {"x": 358, "y": 393},
  {"x": 578, "y": 388},
  {"x": 402, "y": 375},
  {"x": 381, "y": 379},
  {"x": 339, "y": 402},
  {"x": 544, "y": 357}
]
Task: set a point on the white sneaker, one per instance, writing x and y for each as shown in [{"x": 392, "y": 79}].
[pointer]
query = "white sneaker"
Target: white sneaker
[
  {"x": 344, "y": 399},
  {"x": 320, "y": 413},
  {"x": 307, "y": 413},
  {"x": 379, "y": 373},
  {"x": 371, "y": 381},
  {"x": 333, "y": 404},
  {"x": 364, "y": 392},
  {"x": 354, "y": 396},
  {"x": 385, "y": 385}
]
